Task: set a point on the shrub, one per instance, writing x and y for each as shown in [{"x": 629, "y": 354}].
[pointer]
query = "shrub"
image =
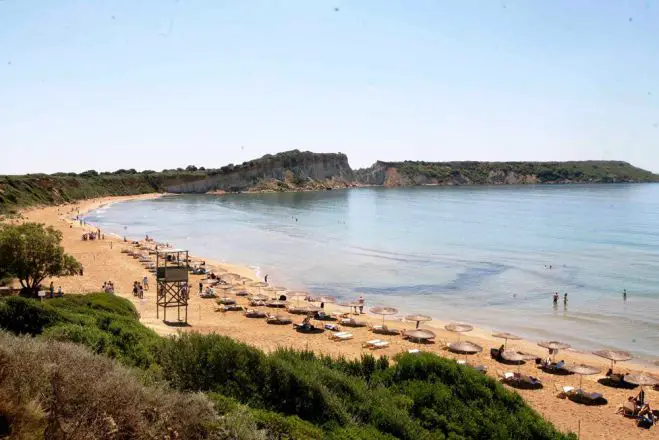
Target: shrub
[{"x": 70, "y": 393}]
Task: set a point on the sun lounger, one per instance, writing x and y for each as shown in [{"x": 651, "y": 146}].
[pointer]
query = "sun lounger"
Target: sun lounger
[
  {"x": 251, "y": 313},
  {"x": 332, "y": 327},
  {"x": 340, "y": 336},
  {"x": 230, "y": 308},
  {"x": 461, "y": 362},
  {"x": 352, "y": 323},
  {"x": 413, "y": 351},
  {"x": 376, "y": 343},
  {"x": 384, "y": 330},
  {"x": 565, "y": 391}
]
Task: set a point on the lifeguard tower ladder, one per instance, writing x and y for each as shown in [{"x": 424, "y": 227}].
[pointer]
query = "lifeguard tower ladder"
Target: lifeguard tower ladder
[{"x": 172, "y": 282}]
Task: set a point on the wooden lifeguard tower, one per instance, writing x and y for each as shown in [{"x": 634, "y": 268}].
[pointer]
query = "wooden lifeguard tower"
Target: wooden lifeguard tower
[{"x": 172, "y": 282}]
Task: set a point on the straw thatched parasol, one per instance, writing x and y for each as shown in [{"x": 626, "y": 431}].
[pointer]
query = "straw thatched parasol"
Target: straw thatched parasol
[
  {"x": 276, "y": 303},
  {"x": 418, "y": 318},
  {"x": 614, "y": 356},
  {"x": 259, "y": 297},
  {"x": 582, "y": 370},
  {"x": 226, "y": 301},
  {"x": 297, "y": 296},
  {"x": 553, "y": 347},
  {"x": 258, "y": 284},
  {"x": 516, "y": 356},
  {"x": 384, "y": 311},
  {"x": 642, "y": 379},
  {"x": 459, "y": 328},
  {"x": 324, "y": 299},
  {"x": 419, "y": 334},
  {"x": 465, "y": 347},
  {"x": 505, "y": 336}
]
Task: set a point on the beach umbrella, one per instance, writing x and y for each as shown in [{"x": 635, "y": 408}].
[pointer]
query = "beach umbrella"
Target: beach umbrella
[
  {"x": 614, "y": 356},
  {"x": 418, "y": 318},
  {"x": 230, "y": 276},
  {"x": 276, "y": 303},
  {"x": 312, "y": 309},
  {"x": 258, "y": 284},
  {"x": 554, "y": 346},
  {"x": 459, "y": 328},
  {"x": 224, "y": 286},
  {"x": 259, "y": 297},
  {"x": 419, "y": 334},
  {"x": 515, "y": 356},
  {"x": 642, "y": 379},
  {"x": 298, "y": 295},
  {"x": 505, "y": 336},
  {"x": 384, "y": 311},
  {"x": 465, "y": 347},
  {"x": 582, "y": 370},
  {"x": 279, "y": 289},
  {"x": 352, "y": 305}
]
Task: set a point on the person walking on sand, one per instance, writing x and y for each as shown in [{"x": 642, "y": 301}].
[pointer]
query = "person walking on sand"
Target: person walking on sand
[
  {"x": 201, "y": 287},
  {"x": 266, "y": 278},
  {"x": 145, "y": 282},
  {"x": 51, "y": 288},
  {"x": 361, "y": 304}
]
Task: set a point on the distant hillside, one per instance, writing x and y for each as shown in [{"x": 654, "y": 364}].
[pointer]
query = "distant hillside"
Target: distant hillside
[
  {"x": 303, "y": 171},
  {"x": 500, "y": 173},
  {"x": 287, "y": 171},
  {"x": 42, "y": 189}
]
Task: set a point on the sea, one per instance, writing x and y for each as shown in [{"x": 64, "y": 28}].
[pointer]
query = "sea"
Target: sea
[{"x": 492, "y": 256}]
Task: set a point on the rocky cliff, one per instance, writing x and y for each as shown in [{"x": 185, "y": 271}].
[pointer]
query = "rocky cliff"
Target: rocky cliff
[
  {"x": 291, "y": 170},
  {"x": 500, "y": 173}
]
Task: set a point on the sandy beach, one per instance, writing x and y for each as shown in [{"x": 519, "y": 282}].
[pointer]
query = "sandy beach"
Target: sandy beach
[{"x": 104, "y": 261}]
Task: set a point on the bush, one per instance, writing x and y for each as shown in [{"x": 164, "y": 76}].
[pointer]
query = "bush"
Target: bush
[
  {"x": 70, "y": 393},
  {"x": 292, "y": 394}
]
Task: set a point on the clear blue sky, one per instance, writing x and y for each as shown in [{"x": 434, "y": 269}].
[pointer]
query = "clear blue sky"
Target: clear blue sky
[{"x": 153, "y": 84}]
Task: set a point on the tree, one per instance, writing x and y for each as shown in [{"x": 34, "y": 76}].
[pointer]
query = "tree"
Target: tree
[{"x": 32, "y": 253}]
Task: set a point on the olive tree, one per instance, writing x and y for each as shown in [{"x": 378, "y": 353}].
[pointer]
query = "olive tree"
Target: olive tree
[{"x": 32, "y": 253}]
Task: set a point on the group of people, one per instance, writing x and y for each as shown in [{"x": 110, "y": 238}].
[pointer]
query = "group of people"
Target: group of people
[
  {"x": 108, "y": 287},
  {"x": 642, "y": 409},
  {"x": 138, "y": 289},
  {"x": 51, "y": 291},
  {"x": 93, "y": 236},
  {"x": 557, "y": 296}
]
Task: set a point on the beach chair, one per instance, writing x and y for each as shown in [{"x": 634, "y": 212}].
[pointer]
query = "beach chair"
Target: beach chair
[
  {"x": 384, "y": 330},
  {"x": 413, "y": 351},
  {"x": 627, "y": 409},
  {"x": 375, "y": 344},
  {"x": 340, "y": 336},
  {"x": 352, "y": 323},
  {"x": 506, "y": 376},
  {"x": 564, "y": 391}
]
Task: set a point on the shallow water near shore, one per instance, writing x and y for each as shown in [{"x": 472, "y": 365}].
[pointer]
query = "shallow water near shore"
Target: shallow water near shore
[{"x": 476, "y": 254}]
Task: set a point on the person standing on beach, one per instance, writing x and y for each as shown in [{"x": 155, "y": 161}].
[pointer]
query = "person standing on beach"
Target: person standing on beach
[
  {"x": 624, "y": 294},
  {"x": 266, "y": 278},
  {"x": 565, "y": 299},
  {"x": 145, "y": 282},
  {"x": 201, "y": 287},
  {"x": 361, "y": 304},
  {"x": 555, "y": 298}
]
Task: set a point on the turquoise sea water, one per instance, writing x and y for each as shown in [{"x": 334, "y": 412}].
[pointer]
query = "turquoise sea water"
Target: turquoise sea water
[{"x": 476, "y": 254}]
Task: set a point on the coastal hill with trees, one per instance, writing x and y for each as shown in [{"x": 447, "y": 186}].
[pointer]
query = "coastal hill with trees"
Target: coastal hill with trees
[{"x": 303, "y": 171}]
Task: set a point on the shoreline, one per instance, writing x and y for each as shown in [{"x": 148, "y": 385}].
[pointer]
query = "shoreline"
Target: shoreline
[
  {"x": 482, "y": 333},
  {"x": 103, "y": 262}
]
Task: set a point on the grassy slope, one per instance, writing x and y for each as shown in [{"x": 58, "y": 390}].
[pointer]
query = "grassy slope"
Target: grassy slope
[
  {"x": 292, "y": 394},
  {"x": 23, "y": 191}
]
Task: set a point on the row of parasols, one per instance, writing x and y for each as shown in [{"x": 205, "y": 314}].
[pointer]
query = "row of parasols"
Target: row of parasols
[{"x": 463, "y": 347}]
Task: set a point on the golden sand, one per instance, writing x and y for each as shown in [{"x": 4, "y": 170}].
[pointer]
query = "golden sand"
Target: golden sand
[{"x": 103, "y": 261}]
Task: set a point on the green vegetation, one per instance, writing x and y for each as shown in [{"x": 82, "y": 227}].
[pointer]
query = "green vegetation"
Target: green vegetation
[
  {"x": 482, "y": 173},
  {"x": 286, "y": 394},
  {"x": 31, "y": 253},
  {"x": 40, "y": 189}
]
